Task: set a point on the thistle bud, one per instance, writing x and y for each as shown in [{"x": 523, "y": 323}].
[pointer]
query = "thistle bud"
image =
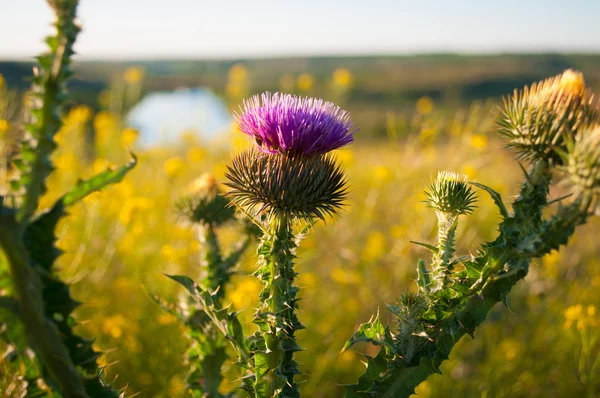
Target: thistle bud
[
  {"x": 539, "y": 120},
  {"x": 294, "y": 185},
  {"x": 451, "y": 194},
  {"x": 205, "y": 203},
  {"x": 582, "y": 166}
]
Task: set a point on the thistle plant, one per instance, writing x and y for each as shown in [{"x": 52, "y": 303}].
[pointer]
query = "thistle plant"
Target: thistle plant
[
  {"x": 288, "y": 182},
  {"x": 554, "y": 126},
  {"x": 39, "y": 300},
  {"x": 207, "y": 209}
]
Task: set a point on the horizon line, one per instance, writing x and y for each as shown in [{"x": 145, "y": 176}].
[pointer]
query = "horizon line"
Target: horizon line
[{"x": 258, "y": 57}]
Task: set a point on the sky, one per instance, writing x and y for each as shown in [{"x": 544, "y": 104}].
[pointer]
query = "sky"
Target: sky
[{"x": 166, "y": 29}]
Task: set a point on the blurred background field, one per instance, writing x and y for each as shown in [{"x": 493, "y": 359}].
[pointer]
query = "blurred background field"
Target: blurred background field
[
  {"x": 119, "y": 243},
  {"x": 418, "y": 114}
]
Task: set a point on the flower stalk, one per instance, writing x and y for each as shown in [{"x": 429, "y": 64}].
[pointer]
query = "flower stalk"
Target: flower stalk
[{"x": 275, "y": 315}]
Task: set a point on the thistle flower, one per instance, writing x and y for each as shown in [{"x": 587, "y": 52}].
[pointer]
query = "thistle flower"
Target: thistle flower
[
  {"x": 538, "y": 119},
  {"x": 582, "y": 166},
  {"x": 295, "y": 125},
  {"x": 450, "y": 193},
  {"x": 293, "y": 185},
  {"x": 205, "y": 203}
]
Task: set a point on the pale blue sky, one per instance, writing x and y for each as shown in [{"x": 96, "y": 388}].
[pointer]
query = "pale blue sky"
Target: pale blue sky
[{"x": 257, "y": 28}]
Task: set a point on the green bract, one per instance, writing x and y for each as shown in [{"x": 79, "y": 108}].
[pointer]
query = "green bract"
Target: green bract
[
  {"x": 538, "y": 120},
  {"x": 582, "y": 167},
  {"x": 305, "y": 187},
  {"x": 206, "y": 204},
  {"x": 450, "y": 193}
]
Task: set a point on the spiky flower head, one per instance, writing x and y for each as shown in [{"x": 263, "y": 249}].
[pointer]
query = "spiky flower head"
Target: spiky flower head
[
  {"x": 582, "y": 167},
  {"x": 538, "y": 120},
  {"x": 205, "y": 203},
  {"x": 295, "y": 125},
  {"x": 451, "y": 193},
  {"x": 299, "y": 186}
]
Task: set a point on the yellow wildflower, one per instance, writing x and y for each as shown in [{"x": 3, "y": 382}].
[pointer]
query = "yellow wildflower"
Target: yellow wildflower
[
  {"x": 424, "y": 105},
  {"x": 375, "y": 246},
  {"x": 99, "y": 165},
  {"x": 479, "y": 141},
  {"x": 382, "y": 175},
  {"x": 345, "y": 157},
  {"x": 345, "y": 276},
  {"x": 305, "y": 82},
  {"x": 166, "y": 319},
  {"x": 238, "y": 72},
  {"x": 128, "y": 137},
  {"x": 132, "y": 205},
  {"x": 114, "y": 325},
  {"x": 342, "y": 77},
  {"x": 80, "y": 114},
  {"x": 4, "y": 126},
  {"x": 307, "y": 279},
  {"x": 133, "y": 74},
  {"x": 195, "y": 154},
  {"x": 174, "y": 166},
  {"x": 241, "y": 296},
  {"x": 572, "y": 314},
  {"x": 470, "y": 171}
]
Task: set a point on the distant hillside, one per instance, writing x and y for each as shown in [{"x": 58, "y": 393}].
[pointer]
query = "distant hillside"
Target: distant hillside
[{"x": 381, "y": 83}]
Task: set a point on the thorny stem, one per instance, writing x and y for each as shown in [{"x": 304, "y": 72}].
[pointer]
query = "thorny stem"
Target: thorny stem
[
  {"x": 442, "y": 266},
  {"x": 50, "y": 79},
  {"x": 275, "y": 315},
  {"x": 43, "y": 334},
  {"x": 213, "y": 278}
]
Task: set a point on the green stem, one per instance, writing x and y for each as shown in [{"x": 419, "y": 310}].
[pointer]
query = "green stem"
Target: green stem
[
  {"x": 274, "y": 363},
  {"x": 43, "y": 334},
  {"x": 213, "y": 277},
  {"x": 48, "y": 92},
  {"x": 442, "y": 266}
]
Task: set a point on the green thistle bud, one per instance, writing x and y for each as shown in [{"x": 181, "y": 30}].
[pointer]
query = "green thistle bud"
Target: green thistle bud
[
  {"x": 287, "y": 185},
  {"x": 538, "y": 120},
  {"x": 451, "y": 193},
  {"x": 582, "y": 166},
  {"x": 205, "y": 203}
]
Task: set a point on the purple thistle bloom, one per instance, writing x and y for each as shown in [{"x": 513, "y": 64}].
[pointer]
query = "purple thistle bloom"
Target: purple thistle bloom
[{"x": 295, "y": 125}]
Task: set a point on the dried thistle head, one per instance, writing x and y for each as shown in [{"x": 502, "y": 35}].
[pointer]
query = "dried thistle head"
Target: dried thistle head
[
  {"x": 539, "y": 120},
  {"x": 205, "y": 203},
  {"x": 451, "y": 193},
  {"x": 299, "y": 186},
  {"x": 582, "y": 168}
]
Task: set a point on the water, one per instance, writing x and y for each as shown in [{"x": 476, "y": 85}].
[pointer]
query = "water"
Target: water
[{"x": 162, "y": 117}]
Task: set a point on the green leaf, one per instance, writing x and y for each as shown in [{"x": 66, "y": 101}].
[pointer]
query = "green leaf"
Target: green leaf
[
  {"x": 426, "y": 245},
  {"x": 495, "y": 197},
  {"x": 372, "y": 332},
  {"x": 424, "y": 277},
  {"x": 186, "y": 282},
  {"x": 97, "y": 182}
]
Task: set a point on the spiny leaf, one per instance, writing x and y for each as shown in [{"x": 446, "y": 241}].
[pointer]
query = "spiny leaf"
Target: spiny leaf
[
  {"x": 495, "y": 197},
  {"x": 432, "y": 248},
  {"x": 372, "y": 332},
  {"x": 98, "y": 182}
]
